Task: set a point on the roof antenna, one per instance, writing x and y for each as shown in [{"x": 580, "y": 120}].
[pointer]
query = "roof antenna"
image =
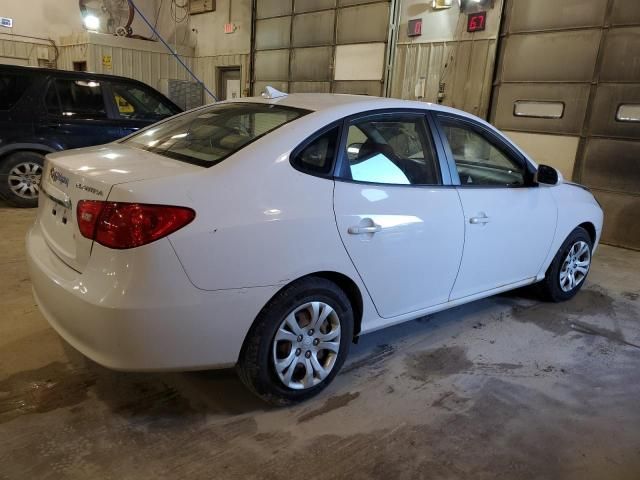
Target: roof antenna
[{"x": 270, "y": 92}]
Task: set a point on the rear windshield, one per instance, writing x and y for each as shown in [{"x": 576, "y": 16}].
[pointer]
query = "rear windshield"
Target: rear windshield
[
  {"x": 209, "y": 135},
  {"x": 12, "y": 86}
]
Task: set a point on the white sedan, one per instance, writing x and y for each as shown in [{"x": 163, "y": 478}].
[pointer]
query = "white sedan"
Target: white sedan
[{"x": 269, "y": 233}]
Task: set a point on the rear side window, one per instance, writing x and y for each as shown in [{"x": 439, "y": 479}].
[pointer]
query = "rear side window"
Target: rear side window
[
  {"x": 12, "y": 87},
  {"x": 137, "y": 103},
  {"x": 209, "y": 135},
  {"x": 76, "y": 99},
  {"x": 318, "y": 155}
]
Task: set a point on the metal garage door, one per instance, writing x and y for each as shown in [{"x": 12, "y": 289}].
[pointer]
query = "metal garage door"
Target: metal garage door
[
  {"x": 320, "y": 45},
  {"x": 568, "y": 90}
]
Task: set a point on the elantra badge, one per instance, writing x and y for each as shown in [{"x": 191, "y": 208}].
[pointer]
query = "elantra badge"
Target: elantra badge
[{"x": 56, "y": 176}]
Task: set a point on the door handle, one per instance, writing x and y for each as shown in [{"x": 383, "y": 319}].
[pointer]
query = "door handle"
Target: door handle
[
  {"x": 362, "y": 230},
  {"x": 482, "y": 219}
]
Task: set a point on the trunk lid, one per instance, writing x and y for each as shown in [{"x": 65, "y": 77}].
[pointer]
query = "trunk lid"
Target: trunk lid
[{"x": 89, "y": 174}]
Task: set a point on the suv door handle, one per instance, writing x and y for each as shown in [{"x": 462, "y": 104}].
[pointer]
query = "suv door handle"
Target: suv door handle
[
  {"x": 481, "y": 219},
  {"x": 362, "y": 230}
]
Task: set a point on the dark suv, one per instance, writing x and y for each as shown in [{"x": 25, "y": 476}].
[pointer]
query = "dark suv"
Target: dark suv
[{"x": 44, "y": 110}]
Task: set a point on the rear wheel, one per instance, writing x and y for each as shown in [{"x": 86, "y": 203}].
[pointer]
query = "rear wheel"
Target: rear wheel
[
  {"x": 570, "y": 267},
  {"x": 298, "y": 342},
  {"x": 20, "y": 175}
]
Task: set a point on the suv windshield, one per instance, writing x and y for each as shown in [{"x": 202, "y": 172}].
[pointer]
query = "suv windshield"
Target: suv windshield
[{"x": 209, "y": 135}]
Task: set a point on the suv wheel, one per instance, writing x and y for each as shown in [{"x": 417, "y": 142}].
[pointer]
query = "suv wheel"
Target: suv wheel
[{"x": 20, "y": 175}]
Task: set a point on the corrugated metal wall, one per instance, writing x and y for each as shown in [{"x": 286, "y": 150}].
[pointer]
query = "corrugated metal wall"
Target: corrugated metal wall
[
  {"x": 21, "y": 51},
  {"x": 320, "y": 45},
  {"x": 581, "y": 55},
  {"x": 148, "y": 62},
  {"x": 446, "y": 54}
]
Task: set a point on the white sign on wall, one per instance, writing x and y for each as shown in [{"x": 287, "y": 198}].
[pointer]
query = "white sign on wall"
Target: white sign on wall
[{"x": 6, "y": 22}]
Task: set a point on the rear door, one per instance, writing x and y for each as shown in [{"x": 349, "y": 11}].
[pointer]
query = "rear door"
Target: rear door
[
  {"x": 77, "y": 113},
  {"x": 398, "y": 217},
  {"x": 509, "y": 220},
  {"x": 137, "y": 106}
]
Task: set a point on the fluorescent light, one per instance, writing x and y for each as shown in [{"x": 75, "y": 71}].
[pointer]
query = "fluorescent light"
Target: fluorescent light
[{"x": 92, "y": 22}]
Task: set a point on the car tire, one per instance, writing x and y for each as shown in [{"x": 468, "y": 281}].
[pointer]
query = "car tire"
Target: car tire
[
  {"x": 569, "y": 269},
  {"x": 20, "y": 175},
  {"x": 270, "y": 344}
]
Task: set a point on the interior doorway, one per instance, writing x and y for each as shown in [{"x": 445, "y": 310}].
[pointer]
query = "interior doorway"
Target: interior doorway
[{"x": 229, "y": 83}]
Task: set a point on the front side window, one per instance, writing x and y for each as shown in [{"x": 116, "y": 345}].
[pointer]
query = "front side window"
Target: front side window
[
  {"x": 137, "y": 103},
  {"x": 478, "y": 160},
  {"x": 207, "y": 136},
  {"x": 77, "y": 99},
  {"x": 391, "y": 149}
]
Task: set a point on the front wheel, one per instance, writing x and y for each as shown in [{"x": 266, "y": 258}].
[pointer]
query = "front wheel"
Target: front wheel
[
  {"x": 298, "y": 342},
  {"x": 20, "y": 175},
  {"x": 568, "y": 270}
]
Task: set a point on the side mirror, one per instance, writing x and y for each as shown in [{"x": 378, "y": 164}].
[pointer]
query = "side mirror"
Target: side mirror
[{"x": 548, "y": 175}]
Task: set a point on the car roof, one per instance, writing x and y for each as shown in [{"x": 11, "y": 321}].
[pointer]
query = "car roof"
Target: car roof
[
  {"x": 347, "y": 104},
  {"x": 68, "y": 73}
]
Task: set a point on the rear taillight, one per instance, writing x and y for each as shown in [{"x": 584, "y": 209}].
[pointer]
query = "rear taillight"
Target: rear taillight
[{"x": 129, "y": 225}]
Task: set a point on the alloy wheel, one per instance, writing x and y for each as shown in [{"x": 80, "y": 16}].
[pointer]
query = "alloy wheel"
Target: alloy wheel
[
  {"x": 575, "y": 266},
  {"x": 306, "y": 345},
  {"x": 24, "y": 180}
]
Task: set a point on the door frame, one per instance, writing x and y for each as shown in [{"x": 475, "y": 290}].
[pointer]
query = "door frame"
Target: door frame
[{"x": 219, "y": 74}]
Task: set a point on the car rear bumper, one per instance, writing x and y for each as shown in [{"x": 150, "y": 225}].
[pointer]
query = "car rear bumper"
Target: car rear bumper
[{"x": 136, "y": 310}]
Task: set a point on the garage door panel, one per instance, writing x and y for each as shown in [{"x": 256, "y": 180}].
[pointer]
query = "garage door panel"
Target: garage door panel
[
  {"x": 313, "y": 29},
  {"x": 273, "y": 33},
  {"x": 612, "y": 165},
  {"x": 625, "y": 12},
  {"x": 373, "y": 88},
  {"x": 608, "y": 100},
  {"x": 566, "y": 56},
  {"x": 360, "y": 62},
  {"x": 302, "y": 6},
  {"x": 345, "y": 3},
  {"x": 311, "y": 63},
  {"x": 272, "y": 65},
  {"x": 272, "y": 8},
  {"x": 532, "y": 15},
  {"x": 365, "y": 23},
  {"x": 573, "y": 97},
  {"x": 310, "y": 87},
  {"x": 620, "y": 210},
  {"x": 621, "y": 53}
]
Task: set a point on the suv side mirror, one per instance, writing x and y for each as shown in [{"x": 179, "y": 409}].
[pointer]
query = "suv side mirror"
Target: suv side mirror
[{"x": 547, "y": 175}]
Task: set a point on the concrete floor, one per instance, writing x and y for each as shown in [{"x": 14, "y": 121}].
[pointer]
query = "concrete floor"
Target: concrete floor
[{"x": 505, "y": 388}]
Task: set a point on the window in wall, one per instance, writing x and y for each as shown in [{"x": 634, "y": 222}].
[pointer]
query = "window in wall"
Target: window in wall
[
  {"x": 525, "y": 108},
  {"x": 478, "y": 160},
  {"x": 629, "y": 112},
  {"x": 391, "y": 149}
]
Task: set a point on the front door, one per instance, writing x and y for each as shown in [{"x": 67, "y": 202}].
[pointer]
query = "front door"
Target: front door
[
  {"x": 402, "y": 229},
  {"x": 77, "y": 115},
  {"x": 509, "y": 221}
]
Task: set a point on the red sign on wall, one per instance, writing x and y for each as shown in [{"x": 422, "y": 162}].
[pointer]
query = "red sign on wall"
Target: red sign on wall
[
  {"x": 415, "y": 27},
  {"x": 476, "y": 22}
]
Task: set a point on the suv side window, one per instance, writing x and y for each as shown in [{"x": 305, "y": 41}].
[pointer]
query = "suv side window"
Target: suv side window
[
  {"x": 392, "y": 149},
  {"x": 12, "y": 87},
  {"x": 480, "y": 161},
  {"x": 136, "y": 103},
  {"x": 76, "y": 99},
  {"x": 317, "y": 156}
]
